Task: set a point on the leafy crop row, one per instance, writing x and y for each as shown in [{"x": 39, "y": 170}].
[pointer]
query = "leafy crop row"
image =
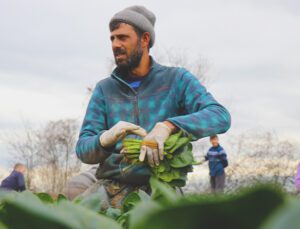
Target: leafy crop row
[{"x": 261, "y": 207}]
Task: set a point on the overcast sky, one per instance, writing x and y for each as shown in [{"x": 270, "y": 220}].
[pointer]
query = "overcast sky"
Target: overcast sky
[{"x": 50, "y": 51}]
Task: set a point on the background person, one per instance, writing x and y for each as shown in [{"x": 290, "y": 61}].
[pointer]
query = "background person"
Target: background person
[
  {"x": 297, "y": 179},
  {"x": 217, "y": 161},
  {"x": 15, "y": 181}
]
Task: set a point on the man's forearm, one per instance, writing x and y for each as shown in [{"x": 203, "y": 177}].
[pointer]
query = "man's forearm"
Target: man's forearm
[
  {"x": 90, "y": 151},
  {"x": 203, "y": 115},
  {"x": 214, "y": 119}
]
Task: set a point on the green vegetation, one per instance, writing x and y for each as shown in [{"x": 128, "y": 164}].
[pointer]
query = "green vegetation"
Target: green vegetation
[
  {"x": 177, "y": 162},
  {"x": 262, "y": 207}
]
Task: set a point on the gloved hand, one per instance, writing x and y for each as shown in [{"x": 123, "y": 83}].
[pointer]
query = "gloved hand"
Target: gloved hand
[
  {"x": 119, "y": 131},
  {"x": 153, "y": 144}
]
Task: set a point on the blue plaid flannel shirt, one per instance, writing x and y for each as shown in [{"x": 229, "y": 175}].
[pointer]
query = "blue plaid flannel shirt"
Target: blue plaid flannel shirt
[{"x": 166, "y": 93}]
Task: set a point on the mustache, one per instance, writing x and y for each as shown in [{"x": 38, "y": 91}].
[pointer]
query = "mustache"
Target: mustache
[{"x": 119, "y": 51}]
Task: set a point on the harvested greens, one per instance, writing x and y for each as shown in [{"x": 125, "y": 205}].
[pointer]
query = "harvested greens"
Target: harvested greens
[{"x": 177, "y": 162}]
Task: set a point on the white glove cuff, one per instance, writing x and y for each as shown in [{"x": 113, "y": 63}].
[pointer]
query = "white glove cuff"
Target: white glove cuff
[
  {"x": 164, "y": 126},
  {"x": 102, "y": 139}
]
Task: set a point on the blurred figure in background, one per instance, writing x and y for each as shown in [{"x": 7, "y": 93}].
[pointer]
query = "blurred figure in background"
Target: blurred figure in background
[
  {"x": 297, "y": 179},
  {"x": 15, "y": 181},
  {"x": 217, "y": 161},
  {"x": 79, "y": 184}
]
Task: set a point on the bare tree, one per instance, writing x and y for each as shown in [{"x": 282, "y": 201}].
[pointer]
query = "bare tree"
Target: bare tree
[
  {"x": 254, "y": 157},
  {"x": 179, "y": 58},
  {"x": 111, "y": 64},
  {"x": 24, "y": 148},
  {"x": 57, "y": 143},
  {"x": 261, "y": 157},
  {"x": 48, "y": 153}
]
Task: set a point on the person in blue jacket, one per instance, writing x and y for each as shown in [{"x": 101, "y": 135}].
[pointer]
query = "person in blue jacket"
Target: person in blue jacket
[
  {"x": 15, "y": 181},
  {"x": 217, "y": 161}
]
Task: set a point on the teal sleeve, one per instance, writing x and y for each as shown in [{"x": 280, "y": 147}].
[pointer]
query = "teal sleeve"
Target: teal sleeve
[
  {"x": 88, "y": 148},
  {"x": 203, "y": 115}
]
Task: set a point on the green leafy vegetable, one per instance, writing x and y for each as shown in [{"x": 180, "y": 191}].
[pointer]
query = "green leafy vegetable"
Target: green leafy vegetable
[
  {"x": 183, "y": 159},
  {"x": 61, "y": 197},
  {"x": 263, "y": 207},
  {"x": 27, "y": 211},
  {"x": 113, "y": 213},
  {"x": 247, "y": 210},
  {"x": 45, "y": 197},
  {"x": 177, "y": 157}
]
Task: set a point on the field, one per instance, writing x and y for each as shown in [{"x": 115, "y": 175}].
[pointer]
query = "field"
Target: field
[{"x": 265, "y": 207}]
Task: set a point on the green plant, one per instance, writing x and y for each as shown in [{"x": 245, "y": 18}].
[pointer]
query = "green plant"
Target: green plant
[
  {"x": 26, "y": 210},
  {"x": 262, "y": 207},
  {"x": 177, "y": 162}
]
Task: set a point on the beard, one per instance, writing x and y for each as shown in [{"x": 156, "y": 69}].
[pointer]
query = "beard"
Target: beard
[{"x": 128, "y": 62}]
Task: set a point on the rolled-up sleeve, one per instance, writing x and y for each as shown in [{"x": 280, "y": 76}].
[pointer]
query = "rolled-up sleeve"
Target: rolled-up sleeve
[
  {"x": 88, "y": 147},
  {"x": 203, "y": 115}
]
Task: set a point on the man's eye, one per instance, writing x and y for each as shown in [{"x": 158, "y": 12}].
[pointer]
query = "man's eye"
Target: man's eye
[{"x": 122, "y": 38}]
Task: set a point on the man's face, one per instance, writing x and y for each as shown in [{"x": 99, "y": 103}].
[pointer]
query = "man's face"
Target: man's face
[
  {"x": 21, "y": 169},
  {"x": 215, "y": 141},
  {"x": 126, "y": 46}
]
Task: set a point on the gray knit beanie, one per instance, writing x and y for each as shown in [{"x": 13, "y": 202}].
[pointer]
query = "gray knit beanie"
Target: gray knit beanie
[{"x": 138, "y": 16}]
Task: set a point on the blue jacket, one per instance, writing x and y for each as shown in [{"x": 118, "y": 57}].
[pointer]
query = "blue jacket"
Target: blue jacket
[
  {"x": 217, "y": 160},
  {"x": 166, "y": 93},
  {"x": 15, "y": 181}
]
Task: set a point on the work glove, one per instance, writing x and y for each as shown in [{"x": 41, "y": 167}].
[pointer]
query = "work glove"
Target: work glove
[
  {"x": 119, "y": 131},
  {"x": 153, "y": 144}
]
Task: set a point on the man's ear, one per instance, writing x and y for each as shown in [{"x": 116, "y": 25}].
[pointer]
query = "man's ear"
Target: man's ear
[{"x": 145, "y": 40}]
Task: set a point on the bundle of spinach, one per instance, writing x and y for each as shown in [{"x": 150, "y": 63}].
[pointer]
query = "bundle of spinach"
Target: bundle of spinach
[{"x": 177, "y": 162}]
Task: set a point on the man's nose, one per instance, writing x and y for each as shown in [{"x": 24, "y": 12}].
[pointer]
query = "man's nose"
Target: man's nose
[{"x": 115, "y": 44}]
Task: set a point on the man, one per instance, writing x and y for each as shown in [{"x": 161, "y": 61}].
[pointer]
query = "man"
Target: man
[
  {"x": 297, "y": 179},
  {"x": 217, "y": 161},
  {"x": 15, "y": 181},
  {"x": 144, "y": 99}
]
